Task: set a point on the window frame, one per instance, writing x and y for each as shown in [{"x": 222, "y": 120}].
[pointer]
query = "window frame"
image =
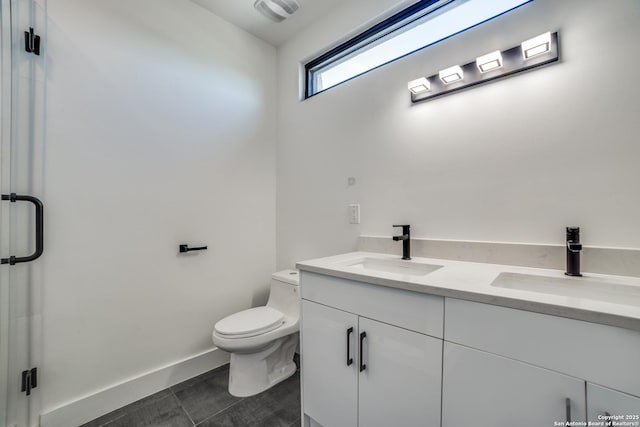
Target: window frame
[{"x": 376, "y": 32}]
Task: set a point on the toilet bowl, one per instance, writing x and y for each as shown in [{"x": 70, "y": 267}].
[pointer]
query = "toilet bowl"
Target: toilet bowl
[{"x": 262, "y": 340}]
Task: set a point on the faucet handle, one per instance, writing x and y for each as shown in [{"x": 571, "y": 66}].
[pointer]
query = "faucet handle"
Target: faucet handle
[
  {"x": 573, "y": 234},
  {"x": 406, "y": 225}
]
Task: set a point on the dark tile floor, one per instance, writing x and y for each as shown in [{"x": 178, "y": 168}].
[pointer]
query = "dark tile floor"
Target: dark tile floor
[{"x": 205, "y": 401}]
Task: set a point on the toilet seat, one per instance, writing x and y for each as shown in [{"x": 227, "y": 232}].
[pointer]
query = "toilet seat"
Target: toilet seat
[{"x": 249, "y": 323}]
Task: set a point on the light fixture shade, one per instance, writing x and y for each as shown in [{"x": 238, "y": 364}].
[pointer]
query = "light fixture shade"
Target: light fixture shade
[
  {"x": 276, "y": 10},
  {"x": 419, "y": 85},
  {"x": 451, "y": 75},
  {"x": 536, "y": 46},
  {"x": 490, "y": 61}
]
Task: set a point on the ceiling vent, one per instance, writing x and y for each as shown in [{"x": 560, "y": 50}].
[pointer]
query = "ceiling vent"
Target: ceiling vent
[{"x": 276, "y": 10}]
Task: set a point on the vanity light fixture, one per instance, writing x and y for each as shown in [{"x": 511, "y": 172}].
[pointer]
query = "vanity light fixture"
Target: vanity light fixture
[
  {"x": 532, "y": 53},
  {"x": 490, "y": 61},
  {"x": 419, "y": 85},
  {"x": 451, "y": 74},
  {"x": 536, "y": 46}
]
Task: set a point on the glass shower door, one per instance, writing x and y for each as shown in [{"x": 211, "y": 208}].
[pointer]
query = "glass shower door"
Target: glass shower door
[{"x": 20, "y": 179}]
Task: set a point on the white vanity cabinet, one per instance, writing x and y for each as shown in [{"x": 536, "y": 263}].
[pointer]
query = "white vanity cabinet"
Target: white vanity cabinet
[
  {"x": 603, "y": 402},
  {"x": 448, "y": 362},
  {"x": 330, "y": 385},
  {"x": 595, "y": 353},
  {"x": 480, "y": 388},
  {"x": 570, "y": 351},
  {"x": 401, "y": 377},
  {"x": 359, "y": 371}
]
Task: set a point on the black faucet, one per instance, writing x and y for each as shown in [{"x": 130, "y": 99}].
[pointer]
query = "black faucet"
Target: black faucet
[
  {"x": 406, "y": 241},
  {"x": 573, "y": 251}
]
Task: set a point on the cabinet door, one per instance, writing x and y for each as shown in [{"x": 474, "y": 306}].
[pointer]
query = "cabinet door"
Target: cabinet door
[
  {"x": 602, "y": 401},
  {"x": 484, "y": 389},
  {"x": 400, "y": 385},
  {"x": 330, "y": 383}
]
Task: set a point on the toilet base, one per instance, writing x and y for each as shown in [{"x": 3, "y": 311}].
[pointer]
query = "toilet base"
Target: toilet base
[{"x": 253, "y": 373}]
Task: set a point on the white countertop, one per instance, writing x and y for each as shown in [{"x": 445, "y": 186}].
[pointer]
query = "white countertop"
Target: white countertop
[{"x": 472, "y": 281}]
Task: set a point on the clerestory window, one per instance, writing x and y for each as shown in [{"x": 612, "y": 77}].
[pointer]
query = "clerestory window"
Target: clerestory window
[{"x": 420, "y": 25}]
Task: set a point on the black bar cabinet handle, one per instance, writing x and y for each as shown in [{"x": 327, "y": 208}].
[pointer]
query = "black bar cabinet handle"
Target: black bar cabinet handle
[
  {"x": 363, "y": 366},
  {"x": 349, "y": 358},
  {"x": 568, "y": 409},
  {"x": 13, "y": 197}
]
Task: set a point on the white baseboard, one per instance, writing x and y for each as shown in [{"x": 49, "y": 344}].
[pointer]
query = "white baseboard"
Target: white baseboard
[{"x": 116, "y": 396}]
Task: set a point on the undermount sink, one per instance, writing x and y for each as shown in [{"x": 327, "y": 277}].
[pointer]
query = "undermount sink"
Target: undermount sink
[
  {"x": 575, "y": 287},
  {"x": 397, "y": 266}
]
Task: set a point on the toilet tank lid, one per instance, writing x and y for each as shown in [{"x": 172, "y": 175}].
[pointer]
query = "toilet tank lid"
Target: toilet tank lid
[{"x": 287, "y": 276}]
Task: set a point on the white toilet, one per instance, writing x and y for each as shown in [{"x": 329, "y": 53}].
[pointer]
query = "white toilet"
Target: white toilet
[{"x": 263, "y": 340}]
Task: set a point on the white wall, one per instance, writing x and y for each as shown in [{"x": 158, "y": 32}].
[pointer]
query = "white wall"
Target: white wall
[
  {"x": 160, "y": 131},
  {"x": 515, "y": 160}
]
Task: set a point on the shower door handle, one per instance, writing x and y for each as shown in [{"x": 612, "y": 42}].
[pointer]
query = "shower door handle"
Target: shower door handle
[{"x": 13, "y": 197}]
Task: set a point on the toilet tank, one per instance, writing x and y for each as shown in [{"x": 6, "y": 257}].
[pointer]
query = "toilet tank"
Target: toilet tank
[{"x": 284, "y": 294}]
